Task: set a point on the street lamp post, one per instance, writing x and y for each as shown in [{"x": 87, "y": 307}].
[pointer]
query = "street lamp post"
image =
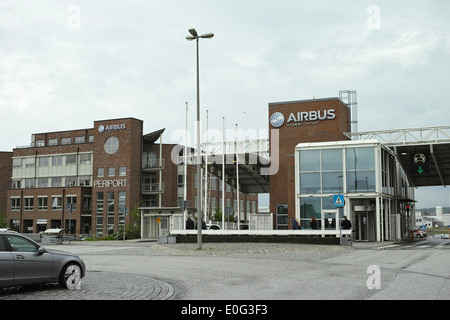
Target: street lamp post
[{"x": 194, "y": 36}]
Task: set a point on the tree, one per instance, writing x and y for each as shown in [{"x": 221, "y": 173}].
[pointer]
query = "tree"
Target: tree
[
  {"x": 3, "y": 219},
  {"x": 133, "y": 229}
]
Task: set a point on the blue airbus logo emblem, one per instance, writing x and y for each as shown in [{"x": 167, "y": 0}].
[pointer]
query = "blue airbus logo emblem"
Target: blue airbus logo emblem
[{"x": 277, "y": 119}]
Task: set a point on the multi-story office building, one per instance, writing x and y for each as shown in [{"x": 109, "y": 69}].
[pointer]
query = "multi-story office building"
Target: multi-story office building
[{"x": 86, "y": 181}]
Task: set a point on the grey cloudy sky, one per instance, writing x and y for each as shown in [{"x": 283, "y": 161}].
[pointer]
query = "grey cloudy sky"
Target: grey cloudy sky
[{"x": 64, "y": 64}]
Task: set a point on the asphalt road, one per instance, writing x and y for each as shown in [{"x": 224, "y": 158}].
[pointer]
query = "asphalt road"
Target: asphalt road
[{"x": 244, "y": 271}]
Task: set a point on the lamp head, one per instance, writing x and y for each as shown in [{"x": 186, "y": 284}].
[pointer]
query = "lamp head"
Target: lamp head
[
  {"x": 207, "y": 35},
  {"x": 193, "y": 32}
]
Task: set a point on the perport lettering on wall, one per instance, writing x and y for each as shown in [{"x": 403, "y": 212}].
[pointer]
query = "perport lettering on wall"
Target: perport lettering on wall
[
  {"x": 111, "y": 127},
  {"x": 116, "y": 183}
]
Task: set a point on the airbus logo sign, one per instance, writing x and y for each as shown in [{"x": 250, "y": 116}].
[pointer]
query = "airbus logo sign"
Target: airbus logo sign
[
  {"x": 277, "y": 119},
  {"x": 112, "y": 127}
]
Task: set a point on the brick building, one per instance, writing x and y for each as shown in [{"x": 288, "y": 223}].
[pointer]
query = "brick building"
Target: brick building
[
  {"x": 5, "y": 178},
  {"x": 86, "y": 180},
  {"x": 316, "y": 120}
]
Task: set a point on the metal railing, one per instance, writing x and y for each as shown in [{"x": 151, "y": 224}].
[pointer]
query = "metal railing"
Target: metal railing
[{"x": 409, "y": 136}]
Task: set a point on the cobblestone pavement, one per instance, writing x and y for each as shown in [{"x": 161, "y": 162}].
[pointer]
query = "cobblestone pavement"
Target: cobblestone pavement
[
  {"x": 102, "y": 285},
  {"x": 121, "y": 270},
  {"x": 108, "y": 285}
]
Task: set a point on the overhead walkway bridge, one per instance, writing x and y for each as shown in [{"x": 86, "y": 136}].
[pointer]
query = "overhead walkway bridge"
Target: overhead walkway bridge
[{"x": 423, "y": 153}]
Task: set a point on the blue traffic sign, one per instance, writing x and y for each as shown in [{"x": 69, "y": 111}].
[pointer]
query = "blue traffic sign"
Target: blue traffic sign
[{"x": 338, "y": 200}]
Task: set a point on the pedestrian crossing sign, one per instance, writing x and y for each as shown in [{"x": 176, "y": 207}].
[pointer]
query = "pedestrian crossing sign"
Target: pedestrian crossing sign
[{"x": 338, "y": 200}]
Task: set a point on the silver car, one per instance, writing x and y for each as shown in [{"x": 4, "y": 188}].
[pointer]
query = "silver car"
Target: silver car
[{"x": 23, "y": 262}]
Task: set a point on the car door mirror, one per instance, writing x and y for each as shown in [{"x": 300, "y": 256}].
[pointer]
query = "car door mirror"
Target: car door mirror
[{"x": 41, "y": 250}]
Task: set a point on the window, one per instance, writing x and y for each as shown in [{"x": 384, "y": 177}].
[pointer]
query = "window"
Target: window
[
  {"x": 99, "y": 222},
  {"x": 85, "y": 158},
  {"x": 73, "y": 201},
  {"x": 282, "y": 217},
  {"x": 57, "y": 161},
  {"x": 84, "y": 180},
  {"x": 43, "y": 161},
  {"x": 310, "y": 207},
  {"x": 29, "y": 162},
  {"x": 310, "y": 182},
  {"x": 80, "y": 139},
  {"x": 56, "y": 202},
  {"x": 111, "y": 172},
  {"x": 122, "y": 208},
  {"x": 122, "y": 171},
  {"x": 71, "y": 159},
  {"x": 110, "y": 212},
  {"x": 19, "y": 244},
  {"x": 111, "y": 145},
  {"x": 100, "y": 203},
  {"x": 52, "y": 142},
  {"x": 28, "y": 203},
  {"x": 321, "y": 171},
  {"x": 16, "y": 183},
  {"x": 15, "y": 203},
  {"x": 71, "y": 181},
  {"x": 180, "y": 180},
  {"x": 65, "y": 141},
  {"x": 40, "y": 143},
  {"x": 100, "y": 172},
  {"x": 87, "y": 203},
  {"x": 310, "y": 160},
  {"x": 17, "y": 163},
  {"x": 91, "y": 139},
  {"x": 42, "y": 182},
  {"x": 29, "y": 183},
  {"x": 57, "y": 182},
  {"x": 42, "y": 203},
  {"x": 360, "y": 158},
  {"x": 360, "y": 164}
]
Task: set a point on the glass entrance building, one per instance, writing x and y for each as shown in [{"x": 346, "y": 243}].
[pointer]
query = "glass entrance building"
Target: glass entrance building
[{"x": 368, "y": 176}]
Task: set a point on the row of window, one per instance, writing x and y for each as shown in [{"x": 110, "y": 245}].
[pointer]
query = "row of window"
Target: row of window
[
  {"x": 337, "y": 170},
  {"x": 69, "y": 181},
  {"x": 42, "y": 203},
  {"x": 53, "y": 182},
  {"x": 109, "y": 217},
  {"x": 52, "y": 161},
  {"x": 64, "y": 141},
  {"x": 111, "y": 172}
]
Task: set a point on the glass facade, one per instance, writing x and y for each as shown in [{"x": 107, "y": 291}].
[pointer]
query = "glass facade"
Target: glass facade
[
  {"x": 327, "y": 171},
  {"x": 373, "y": 184},
  {"x": 322, "y": 170}
]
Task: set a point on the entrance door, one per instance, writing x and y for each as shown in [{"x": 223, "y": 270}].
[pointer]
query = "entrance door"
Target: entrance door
[
  {"x": 365, "y": 226},
  {"x": 362, "y": 226},
  {"x": 330, "y": 219}
]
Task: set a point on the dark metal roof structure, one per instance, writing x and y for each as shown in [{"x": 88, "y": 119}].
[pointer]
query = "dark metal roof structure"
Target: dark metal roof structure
[{"x": 423, "y": 153}]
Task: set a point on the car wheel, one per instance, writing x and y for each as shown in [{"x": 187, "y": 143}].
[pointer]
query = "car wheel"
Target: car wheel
[{"x": 70, "y": 276}]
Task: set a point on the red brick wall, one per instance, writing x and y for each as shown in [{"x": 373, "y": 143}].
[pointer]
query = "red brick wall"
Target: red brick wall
[
  {"x": 5, "y": 178},
  {"x": 282, "y": 184}
]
